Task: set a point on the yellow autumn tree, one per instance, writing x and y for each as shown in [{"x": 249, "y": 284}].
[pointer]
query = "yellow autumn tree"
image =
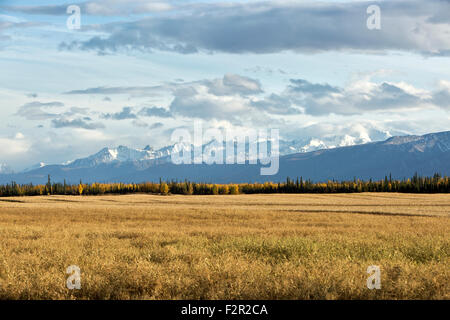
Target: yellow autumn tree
[
  {"x": 80, "y": 189},
  {"x": 164, "y": 188},
  {"x": 234, "y": 189},
  {"x": 191, "y": 189}
]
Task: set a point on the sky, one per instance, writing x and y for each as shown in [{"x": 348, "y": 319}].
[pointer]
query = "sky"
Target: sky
[{"x": 137, "y": 70}]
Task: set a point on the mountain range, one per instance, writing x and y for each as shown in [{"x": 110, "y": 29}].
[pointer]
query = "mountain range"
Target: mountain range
[{"x": 401, "y": 156}]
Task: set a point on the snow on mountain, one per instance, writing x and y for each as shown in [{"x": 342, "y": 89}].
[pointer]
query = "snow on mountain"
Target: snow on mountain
[
  {"x": 177, "y": 147},
  {"x": 400, "y": 156},
  {"x": 123, "y": 154},
  {"x": 36, "y": 166},
  {"x": 315, "y": 143},
  {"x": 210, "y": 149},
  {"x": 126, "y": 154},
  {"x": 109, "y": 155},
  {"x": 347, "y": 141},
  {"x": 441, "y": 141}
]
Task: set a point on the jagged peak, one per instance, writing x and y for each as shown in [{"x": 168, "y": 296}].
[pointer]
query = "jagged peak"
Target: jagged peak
[{"x": 123, "y": 153}]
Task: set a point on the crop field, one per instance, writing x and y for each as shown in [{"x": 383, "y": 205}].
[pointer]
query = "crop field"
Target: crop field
[{"x": 273, "y": 246}]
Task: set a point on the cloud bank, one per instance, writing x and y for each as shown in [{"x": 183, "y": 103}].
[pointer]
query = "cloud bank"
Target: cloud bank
[{"x": 271, "y": 27}]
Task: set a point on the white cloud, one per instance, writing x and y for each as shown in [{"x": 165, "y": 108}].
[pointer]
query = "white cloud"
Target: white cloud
[{"x": 14, "y": 146}]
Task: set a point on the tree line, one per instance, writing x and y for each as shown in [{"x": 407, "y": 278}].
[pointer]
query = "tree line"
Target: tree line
[{"x": 415, "y": 184}]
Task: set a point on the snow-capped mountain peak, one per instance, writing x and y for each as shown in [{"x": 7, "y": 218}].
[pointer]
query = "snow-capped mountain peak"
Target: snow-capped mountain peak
[
  {"x": 347, "y": 141},
  {"x": 119, "y": 154},
  {"x": 36, "y": 166},
  {"x": 127, "y": 164},
  {"x": 123, "y": 154}
]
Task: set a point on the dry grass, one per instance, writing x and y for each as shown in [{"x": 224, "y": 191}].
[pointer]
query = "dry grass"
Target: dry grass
[{"x": 226, "y": 247}]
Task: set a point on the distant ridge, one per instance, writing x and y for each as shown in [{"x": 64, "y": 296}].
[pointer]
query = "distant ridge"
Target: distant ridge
[{"x": 401, "y": 156}]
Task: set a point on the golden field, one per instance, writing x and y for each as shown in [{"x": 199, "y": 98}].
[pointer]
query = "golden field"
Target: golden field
[{"x": 304, "y": 246}]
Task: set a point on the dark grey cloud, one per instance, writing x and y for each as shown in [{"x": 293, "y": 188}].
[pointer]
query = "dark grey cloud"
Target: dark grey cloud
[
  {"x": 266, "y": 70},
  {"x": 367, "y": 96},
  {"x": 442, "y": 97},
  {"x": 226, "y": 98},
  {"x": 197, "y": 100},
  {"x": 390, "y": 96},
  {"x": 229, "y": 84},
  {"x": 156, "y": 125},
  {"x": 97, "y": 8},
  {"x": 220, "y": 98},
  {"x": 268, "y": 27},
  {"x": 63, "y": 119},
  {"x": 40, "y": 10},
  {"x": 126, "y": 113},
  {"x": 142, "y": 124},
  {"x": 314, "y": 89},
  {"x": 133, "y": 91},
  {"x": 240, "y": 99},
  {"x": 75, "y": 123},
  {"x": 233, "y": 84},
  {"x": 304, "y": 97},
  {"x": 276, "y": 104},
  {"x": 155, "y": 112},
  {"x": 76, "y": 110}
]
